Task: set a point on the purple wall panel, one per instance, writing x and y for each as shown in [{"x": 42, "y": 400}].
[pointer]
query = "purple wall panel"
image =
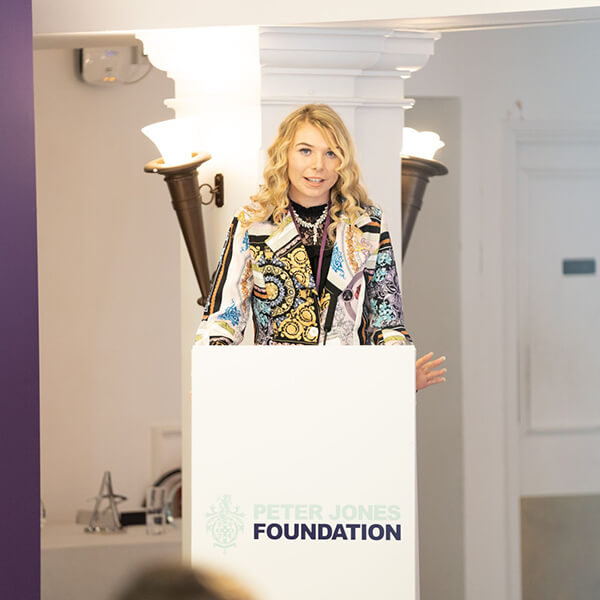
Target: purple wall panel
[{"x": 19, "y": 372}]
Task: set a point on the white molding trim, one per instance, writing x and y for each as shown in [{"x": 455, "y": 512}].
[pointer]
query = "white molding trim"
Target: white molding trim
[
  {"x": 352, "y": 48},
  {"x": 349, "y": 31},
  {"x": 334, "y": 72},
  {"x": 406, "y": 103},
  {"x": 511, "y": 379}
]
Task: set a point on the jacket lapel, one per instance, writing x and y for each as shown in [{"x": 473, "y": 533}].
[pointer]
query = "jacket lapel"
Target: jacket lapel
[
  {"x": 350, "y": 253},
  {"x": 284, "y": 235}
]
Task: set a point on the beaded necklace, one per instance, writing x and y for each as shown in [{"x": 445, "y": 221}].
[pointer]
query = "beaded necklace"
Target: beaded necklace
[{"x": 314, "y": 227}]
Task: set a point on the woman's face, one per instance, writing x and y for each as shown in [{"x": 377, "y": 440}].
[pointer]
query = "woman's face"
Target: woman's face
[{"x": 311, "y": 167}]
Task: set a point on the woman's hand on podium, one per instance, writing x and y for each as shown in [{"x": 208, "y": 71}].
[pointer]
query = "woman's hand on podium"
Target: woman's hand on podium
[{"x": 427, "y": 372}]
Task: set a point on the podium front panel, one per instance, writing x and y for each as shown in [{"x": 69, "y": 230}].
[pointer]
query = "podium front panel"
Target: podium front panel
[{"x": 302, "y": 469}]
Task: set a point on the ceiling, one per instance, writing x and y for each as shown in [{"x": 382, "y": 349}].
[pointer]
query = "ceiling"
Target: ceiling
[
  {"x": 442, "y": 24},
  {"x": 474, "y": 22}
]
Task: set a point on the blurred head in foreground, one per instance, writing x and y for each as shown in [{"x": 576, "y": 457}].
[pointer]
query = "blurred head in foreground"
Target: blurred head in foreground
[{"x": 178, "y": 582}]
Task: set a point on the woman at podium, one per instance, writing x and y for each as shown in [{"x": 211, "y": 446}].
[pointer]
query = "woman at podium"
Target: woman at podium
[{"x": 310, "y": 257}]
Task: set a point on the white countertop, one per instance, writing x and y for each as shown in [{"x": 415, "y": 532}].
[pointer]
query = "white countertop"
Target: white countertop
[
  {"x": 96, "y": 566},
  {"x": 67, "y": 535}
]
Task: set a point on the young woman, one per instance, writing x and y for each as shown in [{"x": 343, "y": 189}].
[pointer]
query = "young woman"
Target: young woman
[{"x": 310, "y": 257}]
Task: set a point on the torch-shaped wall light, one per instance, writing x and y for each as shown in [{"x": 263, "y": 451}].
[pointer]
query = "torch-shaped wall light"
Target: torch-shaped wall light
[
  {"x": 418, "y": 165},
  {"x": 179, "y": 165}
]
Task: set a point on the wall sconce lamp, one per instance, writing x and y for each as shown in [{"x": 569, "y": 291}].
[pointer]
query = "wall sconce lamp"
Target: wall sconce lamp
[
  {"x": 179, "y": 165},
  {"x": 418, "y": 165}
]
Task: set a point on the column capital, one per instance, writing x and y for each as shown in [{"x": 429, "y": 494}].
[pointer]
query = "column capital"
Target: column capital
[
  {"x": 357, "y": 49},
  {"x": 340, "y": 66}
]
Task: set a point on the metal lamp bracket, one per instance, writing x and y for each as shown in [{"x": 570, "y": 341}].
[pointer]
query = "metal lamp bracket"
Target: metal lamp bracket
[
  {"x": 186, "y": 197},
  {"x": 217, "y": 192}
]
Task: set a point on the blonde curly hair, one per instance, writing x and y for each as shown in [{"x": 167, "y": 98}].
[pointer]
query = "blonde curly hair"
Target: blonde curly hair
[{"x": 348, "y": 196}]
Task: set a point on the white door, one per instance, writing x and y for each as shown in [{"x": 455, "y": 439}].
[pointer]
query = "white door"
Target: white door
[{"x": 558, "y": 353}]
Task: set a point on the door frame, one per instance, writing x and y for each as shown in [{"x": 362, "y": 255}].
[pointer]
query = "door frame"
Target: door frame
[{"x": 514, "y": 381}]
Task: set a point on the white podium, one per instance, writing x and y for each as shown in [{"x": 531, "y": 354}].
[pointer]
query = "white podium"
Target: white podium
[{"x": 301, "y": 462}]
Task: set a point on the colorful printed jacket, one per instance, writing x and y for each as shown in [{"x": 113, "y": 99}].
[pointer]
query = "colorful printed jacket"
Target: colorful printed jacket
[{"x": 264, "y": 270}]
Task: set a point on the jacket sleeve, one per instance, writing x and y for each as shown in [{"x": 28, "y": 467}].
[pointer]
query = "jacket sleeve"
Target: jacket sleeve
[
  {"x": 228, "y": 307},
  {"x": 386, "y": 318}
]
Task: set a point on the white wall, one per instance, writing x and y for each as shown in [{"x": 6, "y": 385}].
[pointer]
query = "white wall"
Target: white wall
[
  {"x": 431, "y": 293},
  {"x": 60, "y": 16},
  {"x": 108, "y": 280},
  {"x": 545, "y": 73}
]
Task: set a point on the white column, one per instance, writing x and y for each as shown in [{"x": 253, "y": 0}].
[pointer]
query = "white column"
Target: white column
[{"x": 360, "y": 73}]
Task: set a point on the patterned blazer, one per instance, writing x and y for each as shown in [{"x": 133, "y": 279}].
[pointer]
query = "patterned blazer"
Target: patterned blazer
[{"x": 264, "y": 270}]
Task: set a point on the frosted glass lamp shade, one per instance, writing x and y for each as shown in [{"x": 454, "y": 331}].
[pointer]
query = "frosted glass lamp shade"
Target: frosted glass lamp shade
[
  {"x": 174, "y": 140},
  {"x": 422, "y": 144}
]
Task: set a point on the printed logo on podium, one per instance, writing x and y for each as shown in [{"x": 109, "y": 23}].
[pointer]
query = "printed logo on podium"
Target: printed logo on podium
[{"x": 224, "y": 522}]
